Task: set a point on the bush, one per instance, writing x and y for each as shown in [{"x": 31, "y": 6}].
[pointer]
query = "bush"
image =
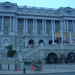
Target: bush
[{"x": 11, "y": 53}]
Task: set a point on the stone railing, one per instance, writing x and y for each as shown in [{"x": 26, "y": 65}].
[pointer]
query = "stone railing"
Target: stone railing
[{"x": 58, "y": 46}]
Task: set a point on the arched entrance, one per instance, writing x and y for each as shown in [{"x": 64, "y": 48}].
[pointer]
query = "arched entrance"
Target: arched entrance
[
  {"x": 70, "y": 57},
  {"x": 31, "y": 43},
  {"x": 41, "y": 41},
  {"x": 52, "y": 58},
  {"x": 50, "y": 42}
]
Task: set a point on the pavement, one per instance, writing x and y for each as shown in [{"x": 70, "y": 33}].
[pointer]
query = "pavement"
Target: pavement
[{"x": 42, "y": 71}]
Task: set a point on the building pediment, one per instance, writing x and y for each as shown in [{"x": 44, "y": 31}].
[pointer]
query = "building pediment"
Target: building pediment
[
  {"x": 68, "y": 10},
  {"x": 7, "y": 5}
]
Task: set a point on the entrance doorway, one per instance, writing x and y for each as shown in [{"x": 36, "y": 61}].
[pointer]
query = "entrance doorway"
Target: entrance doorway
[{"x": 52, "y": 58}]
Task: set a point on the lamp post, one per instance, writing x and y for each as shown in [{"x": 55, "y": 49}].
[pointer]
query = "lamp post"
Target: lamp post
[
  {"x": 20, "y": 57},
  {"x": 19, "y": 45}
]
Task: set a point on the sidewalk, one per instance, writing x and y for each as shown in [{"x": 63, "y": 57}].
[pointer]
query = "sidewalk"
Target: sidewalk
[{"x": 43, "y": 71}]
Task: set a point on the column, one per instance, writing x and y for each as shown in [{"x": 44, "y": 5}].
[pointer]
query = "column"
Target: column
[
  {"x": 70, "y": 38},
  {"x": 61, "y": 37},
  {"x": 16, "y": 24},
  {"x": 36, "y": 25},
  {"x": 13, "y": 23},
  {"x": 2, "y": 23},
  {"x": 52, "y": 25},
  {"x": 64, "y": 27},
  {"x": 53, "y": 37},
  {"x": 36, "y": 43},
  {"x": 10, "y": 22},
  {"x": 61, "y": 25},
  {"x": 26, "y": 27},
  {"x": 67, "y": 25},
  {"x": 73, "y": 26},
  {"x": 33, "y": 26},
  {"x": 43, "y": 26},
  {"x": 26, "y": 42}
]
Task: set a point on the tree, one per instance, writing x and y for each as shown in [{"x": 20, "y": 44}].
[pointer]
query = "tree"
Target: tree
[{"x": 10, "y": 52}]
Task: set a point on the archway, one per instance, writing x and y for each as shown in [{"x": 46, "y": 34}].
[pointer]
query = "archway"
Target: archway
[
  {"x": 31, "y": 43},
  {"x": 70, "y": 57},
  {"x": 52, "y": 58},
  {"x": 50, "y": 42},
  {"x": 41, "y": 41}
]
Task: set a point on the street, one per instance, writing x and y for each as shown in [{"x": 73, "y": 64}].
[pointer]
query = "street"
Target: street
[{"x": 71, "y": 73}]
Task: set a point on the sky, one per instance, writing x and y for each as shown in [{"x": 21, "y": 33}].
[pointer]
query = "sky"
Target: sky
[{"x": 44, "y": 3}]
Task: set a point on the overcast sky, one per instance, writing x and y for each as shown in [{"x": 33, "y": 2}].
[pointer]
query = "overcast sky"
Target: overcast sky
[{"x": 44, "y": 3}]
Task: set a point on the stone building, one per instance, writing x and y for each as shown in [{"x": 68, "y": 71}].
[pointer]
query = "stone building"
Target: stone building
[{"x": 44, "y": 33}]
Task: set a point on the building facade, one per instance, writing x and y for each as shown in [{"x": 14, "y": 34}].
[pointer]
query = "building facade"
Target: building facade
[{"x": 42, "y": 32}]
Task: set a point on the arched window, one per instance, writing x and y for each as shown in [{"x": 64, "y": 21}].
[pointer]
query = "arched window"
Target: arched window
[
  {"x": 5, "y": 43},
  {"x": 31, "y": 43}
]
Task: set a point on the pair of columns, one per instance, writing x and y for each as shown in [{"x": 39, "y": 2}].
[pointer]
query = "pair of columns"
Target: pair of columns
[
  {"x": 12, "y": 26},
  {"x": 61, "y": 37},
  {"x": 66, "y": 28}
]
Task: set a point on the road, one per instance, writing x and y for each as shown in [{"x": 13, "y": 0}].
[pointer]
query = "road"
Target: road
[{"x": 44, "y": 74}]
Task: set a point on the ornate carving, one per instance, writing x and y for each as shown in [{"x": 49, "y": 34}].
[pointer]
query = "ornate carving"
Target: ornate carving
[
  {"x": 6, "y": 25},
  {"x": 68, "y": 10},
  {"x": 7, "y": 5},
  {"x": 20, "y": 26}
]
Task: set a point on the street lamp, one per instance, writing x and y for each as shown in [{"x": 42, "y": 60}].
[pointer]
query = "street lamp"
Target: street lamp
[
  {"x": 19, "y": 45},
  {"x": 20, "y": 57}
]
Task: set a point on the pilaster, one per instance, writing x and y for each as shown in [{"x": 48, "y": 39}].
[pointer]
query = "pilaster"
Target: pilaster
[
  {"x": 10, "y": 23},
  {"x": 14, "y": 24},
  {"x": 2, "y": 23},
  {"x": 36, "y": 25},
  {"x": 26, "y": 26},
  {"x": 67, "y": 25}
]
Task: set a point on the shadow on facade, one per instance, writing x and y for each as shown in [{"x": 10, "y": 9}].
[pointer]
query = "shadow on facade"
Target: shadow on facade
[
  {"x": 41, "y": 41},
  {"x": 31, "y": 43},
  {"x": 50, "y": 42},
  {"x": 70, "y": 58},
  {"x": 52, "y": 58}
]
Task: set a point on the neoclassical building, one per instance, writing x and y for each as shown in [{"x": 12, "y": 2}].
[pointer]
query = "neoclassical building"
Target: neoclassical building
[{"x": 42, "y": 32}]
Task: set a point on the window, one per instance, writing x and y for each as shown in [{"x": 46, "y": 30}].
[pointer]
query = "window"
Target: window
[
  {"x": 38, "y": 12},
  {"x": 68, "y": 12},
  {"x": 20, "y": 30},
  {"x": 20, "y": 33},
  {"x": 29, "y": 23},
  {"x": 47, "y": 13},
  {"x": 70, "y": 25},
  {"x": 29, "y": 12},
  {"x": 6, "y": 30},
  {"x": 39, "y": 24},
  {"x": 20, "y": 11},
  {"x": 57, "y": 26},
  {"x": 20, "y": 23},
  {"x": 29, "y": 31},
  {"x": 39, "y": 31},
  {"x": 7, "y": 7},
  {"x": 47, "y": 32},
  {"x": 5, "y": 43},
  {"x": 6, "y": 21}
]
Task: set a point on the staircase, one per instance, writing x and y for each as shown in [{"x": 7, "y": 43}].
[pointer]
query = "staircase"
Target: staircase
[{"x": 32, "y": 51}]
